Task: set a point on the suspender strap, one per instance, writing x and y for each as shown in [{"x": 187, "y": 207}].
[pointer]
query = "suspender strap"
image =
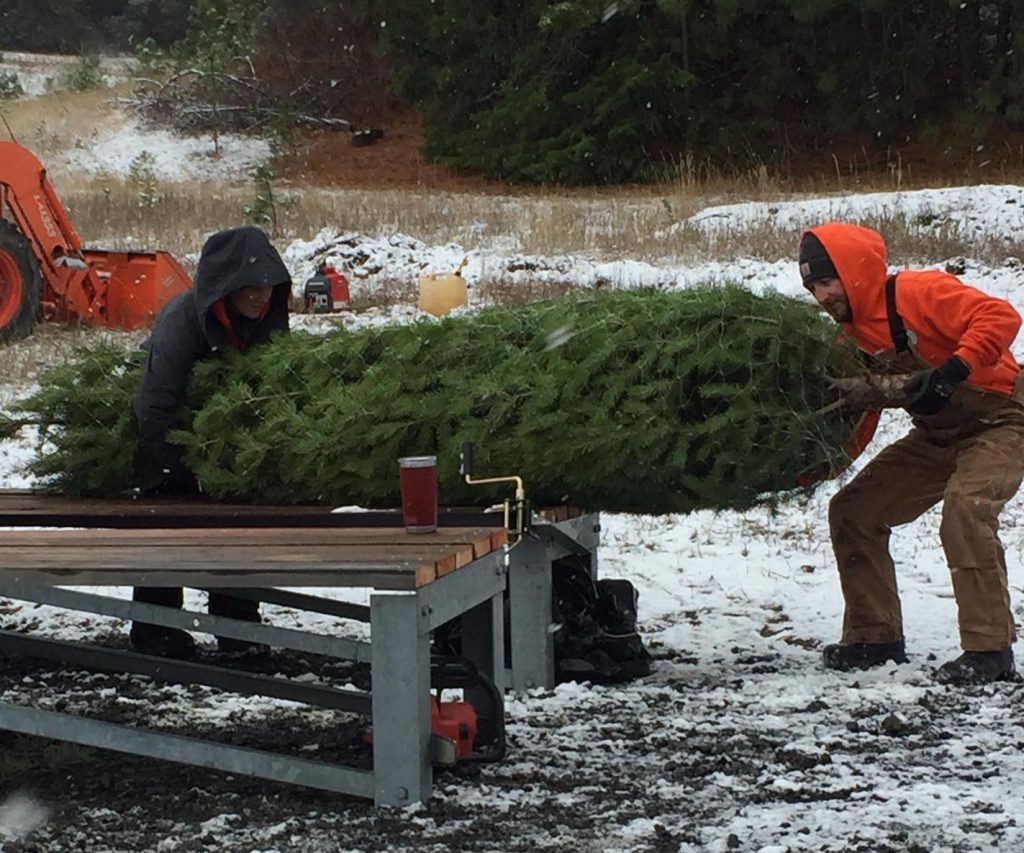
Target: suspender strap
[{"x": 896, "y": 327}]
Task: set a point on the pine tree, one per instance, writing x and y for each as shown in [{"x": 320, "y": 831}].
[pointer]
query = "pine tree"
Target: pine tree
[{"x": 644, "y": 402}]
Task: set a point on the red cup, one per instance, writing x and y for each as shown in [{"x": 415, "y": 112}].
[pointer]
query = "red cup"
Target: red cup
[{"x": 417, "y": 477}]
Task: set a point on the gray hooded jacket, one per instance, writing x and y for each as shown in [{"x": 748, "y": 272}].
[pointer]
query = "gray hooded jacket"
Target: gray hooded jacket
[{"x": 187, "y": 330}]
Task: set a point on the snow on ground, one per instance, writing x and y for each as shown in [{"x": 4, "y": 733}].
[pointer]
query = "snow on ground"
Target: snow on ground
[
  {"x": 367, "y": 259},
  {"x": 115, "y": 150},
  {"x": 114, "y": 146},
  {"x": 992, "y": 211},
  {"x": 740, "y": 740},
  {"x": 40, "y": 73}
]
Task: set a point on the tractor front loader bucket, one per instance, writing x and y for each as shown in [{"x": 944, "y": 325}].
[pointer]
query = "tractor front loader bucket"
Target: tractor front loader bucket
[
  {"x": 138, "y": 284},
  {"x": 45, "y": 270}
]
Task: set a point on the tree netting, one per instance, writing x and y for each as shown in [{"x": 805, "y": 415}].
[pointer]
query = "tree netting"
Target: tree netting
[{"x": 648, "y": 402}]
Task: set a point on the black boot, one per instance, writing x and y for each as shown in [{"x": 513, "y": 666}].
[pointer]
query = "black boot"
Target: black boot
[
  {"x": 978, "y": 668},
  {"x": 231, "y": 646},
  {"x": 158, "y": 639},
  {"x": 237, "y": 608},
  {"x": 162, "y": 642},
  {"x": 847, "y": 656}
]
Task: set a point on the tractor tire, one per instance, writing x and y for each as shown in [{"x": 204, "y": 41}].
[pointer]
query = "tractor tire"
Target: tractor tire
[{"x": 21, "y": 285}]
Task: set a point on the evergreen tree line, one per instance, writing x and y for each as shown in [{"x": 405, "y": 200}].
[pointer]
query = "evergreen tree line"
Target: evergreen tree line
[
  {"x": 90, "y": 26},
  {"x": 602, "y": 91},
  {"x": 181, "y": 25},
  {"x": 592, "y": 91},
  {"x": 708, "y": 398}
]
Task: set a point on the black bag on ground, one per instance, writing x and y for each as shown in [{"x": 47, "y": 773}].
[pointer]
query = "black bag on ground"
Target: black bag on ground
[{"x": 597, "y": 638}]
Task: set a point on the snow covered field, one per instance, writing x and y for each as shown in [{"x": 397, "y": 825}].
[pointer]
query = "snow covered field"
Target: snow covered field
[
  {"x": 40, "y": 73},
  {"x": 740, "y": 740}
]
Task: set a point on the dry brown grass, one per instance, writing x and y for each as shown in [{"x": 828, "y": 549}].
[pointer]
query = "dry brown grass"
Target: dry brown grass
[
  {"x": 56, "y": 122},
  {"x": 108, "y": 211},
  {"x": 503, "y": 291},
  {"x": 109, "y": 214},
  {"x": 51, "y": 344},
  {"x": 384, "y": 293}
]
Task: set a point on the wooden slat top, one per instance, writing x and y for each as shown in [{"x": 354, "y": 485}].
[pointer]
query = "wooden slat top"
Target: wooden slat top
[
  {"x": 20, "y": 508},
  {"x": 28, "y": 508},
  {"x": 43, "y": 509},
  {"x": 28, "y": 502},
  {"x": 382, "y": 558}
]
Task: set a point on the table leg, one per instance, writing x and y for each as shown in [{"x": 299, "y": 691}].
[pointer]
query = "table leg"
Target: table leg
[
  {"x": 532, "y": 638},
  {"x": 483, "y": 638},
  {"x": 402, "y": 768}
]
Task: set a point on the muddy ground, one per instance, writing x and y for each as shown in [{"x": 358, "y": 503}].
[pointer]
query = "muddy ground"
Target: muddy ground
[{"x": 712, "y": 754}]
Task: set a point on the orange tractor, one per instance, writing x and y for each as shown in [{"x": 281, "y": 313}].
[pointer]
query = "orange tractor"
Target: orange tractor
[{"x": 46, "y": 273}]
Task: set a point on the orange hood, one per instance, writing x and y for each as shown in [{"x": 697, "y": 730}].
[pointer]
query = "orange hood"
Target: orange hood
[{"x": 943, "y": 315}]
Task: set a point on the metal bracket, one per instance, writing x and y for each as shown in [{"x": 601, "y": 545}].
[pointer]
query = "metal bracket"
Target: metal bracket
[{"x": 559, "y": 537}]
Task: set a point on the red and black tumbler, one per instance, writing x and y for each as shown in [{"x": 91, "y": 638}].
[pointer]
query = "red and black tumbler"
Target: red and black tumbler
[{"x": 417, "y": 476}]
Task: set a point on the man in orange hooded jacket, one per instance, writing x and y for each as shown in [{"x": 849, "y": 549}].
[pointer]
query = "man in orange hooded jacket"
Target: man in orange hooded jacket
[{"x": 966, "y": 448}]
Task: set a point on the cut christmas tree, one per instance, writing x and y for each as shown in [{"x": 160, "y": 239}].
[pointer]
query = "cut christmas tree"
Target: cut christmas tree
[{"x": 712, "y": 397}]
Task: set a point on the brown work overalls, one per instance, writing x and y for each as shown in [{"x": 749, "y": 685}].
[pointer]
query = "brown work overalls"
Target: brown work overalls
[{"x": 970, "y": 456}]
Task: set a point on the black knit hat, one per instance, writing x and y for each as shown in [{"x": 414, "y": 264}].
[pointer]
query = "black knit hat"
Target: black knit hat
[{"x": 814, "y": 260}]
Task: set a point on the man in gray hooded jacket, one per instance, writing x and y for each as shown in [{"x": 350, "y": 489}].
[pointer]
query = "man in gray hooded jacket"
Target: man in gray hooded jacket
[{"x": 239, "y": 299}]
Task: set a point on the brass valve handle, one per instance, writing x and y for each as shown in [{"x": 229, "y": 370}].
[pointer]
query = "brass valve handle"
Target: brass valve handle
[{"x": 466, "y": 470}]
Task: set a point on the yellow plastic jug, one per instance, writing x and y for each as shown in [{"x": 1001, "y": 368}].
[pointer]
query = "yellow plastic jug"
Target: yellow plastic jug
[{"x": 440, "y": 292}]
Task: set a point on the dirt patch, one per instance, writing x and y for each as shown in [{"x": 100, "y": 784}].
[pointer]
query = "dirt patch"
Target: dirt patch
[{"x": 330, "y": 159}]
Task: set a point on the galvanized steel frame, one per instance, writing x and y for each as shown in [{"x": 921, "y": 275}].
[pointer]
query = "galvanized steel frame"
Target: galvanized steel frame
[
  {"x": 399, "y": 655},
  {"x": 531, "y": 624}
]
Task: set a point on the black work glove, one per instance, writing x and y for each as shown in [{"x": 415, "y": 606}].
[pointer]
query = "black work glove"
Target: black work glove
[
  {"x": 928, "y": 392},
  {"x": 176, "y": 484}
]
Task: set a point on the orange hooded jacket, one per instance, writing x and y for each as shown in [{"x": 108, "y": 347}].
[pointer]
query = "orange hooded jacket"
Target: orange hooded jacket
[
  {"x": 946, "y": 316},
  {"x": 943, "y": 317}
]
